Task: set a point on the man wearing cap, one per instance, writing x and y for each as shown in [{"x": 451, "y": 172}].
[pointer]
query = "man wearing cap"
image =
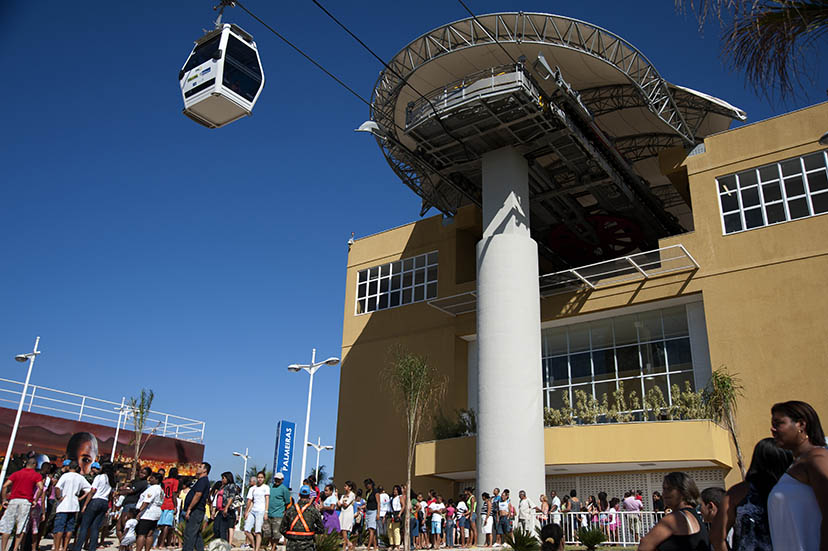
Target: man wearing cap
[
  {"x": 279, "y": 500},
  {"x": 301, "y": 523}
]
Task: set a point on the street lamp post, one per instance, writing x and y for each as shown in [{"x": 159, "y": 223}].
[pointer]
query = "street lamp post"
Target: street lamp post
[
  {"x": 318, "y": 447},
  {"x": 121, "y": 412},
  {"x": 246, "y": 456},
  {"x": 21, "y": 358},
  {"x": 311, "y": 369}
]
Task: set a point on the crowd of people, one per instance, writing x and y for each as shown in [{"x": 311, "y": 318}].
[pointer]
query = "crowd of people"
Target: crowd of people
[
  {"x": 780, "y": 505},
  {"x": 80, "y": 510}
]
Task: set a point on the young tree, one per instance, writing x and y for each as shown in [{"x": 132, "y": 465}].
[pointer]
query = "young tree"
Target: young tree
[
  {"x": 139, "y": 409},
  {"x": 416, "y": 387},
  {"x": 766, "y": 38},
  {"x": 721, "y": 396}
]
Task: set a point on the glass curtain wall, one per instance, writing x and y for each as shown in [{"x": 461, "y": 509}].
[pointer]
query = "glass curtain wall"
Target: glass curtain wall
[{"x": 644, "y": 350}]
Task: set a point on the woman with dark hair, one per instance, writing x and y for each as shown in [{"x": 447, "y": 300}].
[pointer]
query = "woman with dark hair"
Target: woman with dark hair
[
  {"x": 658, "y": 503},
  {"x": 346, "y": 514},
  {"x": 226, "y": 515},
  {"x": 149, "y": 511},
  {"x": 798, "y": 503},
  {"x": 592, "y": 509},
  {"x": 395, "y": 517},
  {"x": 83, "y": 448},
  {"x": 94, "y": 510},
  {"x": 329, "y": 518},
  {"x": 552, "y": 537},
  {"x": 744, "y": 506},
  {"x": 683, "y": 529}
]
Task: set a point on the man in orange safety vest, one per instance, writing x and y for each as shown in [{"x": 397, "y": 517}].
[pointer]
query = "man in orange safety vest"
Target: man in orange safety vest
[{"x": 301, "y": 523}]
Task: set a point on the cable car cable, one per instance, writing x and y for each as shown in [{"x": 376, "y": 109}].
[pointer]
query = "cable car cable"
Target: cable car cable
[
  {"x": 476, "y": 20},
  {"x": 404, "y": 80},
  {"x": 303, "y": 54},
  {"x": 356, "y": 94}
]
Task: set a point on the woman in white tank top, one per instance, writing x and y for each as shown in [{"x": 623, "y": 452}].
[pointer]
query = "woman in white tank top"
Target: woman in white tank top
[{"x": 798, "y": 521}]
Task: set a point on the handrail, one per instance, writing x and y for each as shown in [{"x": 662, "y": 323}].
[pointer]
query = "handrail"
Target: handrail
[
  {"x": 620, "y": 527},
  {"x": 81, "y": 407},
  {"x": 456, "y": 90}
]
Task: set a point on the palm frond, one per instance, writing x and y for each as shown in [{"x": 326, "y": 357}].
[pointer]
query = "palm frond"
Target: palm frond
[{"x": 769, "y": 42}]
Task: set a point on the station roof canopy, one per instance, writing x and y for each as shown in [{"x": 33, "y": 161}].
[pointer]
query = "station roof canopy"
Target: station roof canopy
[{"x": 520, "y": 79}]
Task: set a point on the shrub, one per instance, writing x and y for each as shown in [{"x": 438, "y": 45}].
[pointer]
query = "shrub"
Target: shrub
[
  {"x": 464, "y": 423},
  {"x": 587, "y": 408},
  {"x": 522, "y": 540},
  {"x": 328, "y": 542},
  {"x": 591, "y": 538},
  {"x": 206, "y": 531},
  {"x": 654, "y": 404}
]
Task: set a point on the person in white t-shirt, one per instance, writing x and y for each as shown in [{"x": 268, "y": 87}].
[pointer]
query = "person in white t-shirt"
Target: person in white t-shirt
[
  {"x": 149, "y": 511},
  {"x": 66, "y": 491},
  {"x": 384, "y": 510},
  {"x": 437, "y": 510},
  {"x": 526, "y": 513},
  {"x": 555, "y": 507},
  {"x": 258, "y": 500},
  {"x": 462, "y": 520}
]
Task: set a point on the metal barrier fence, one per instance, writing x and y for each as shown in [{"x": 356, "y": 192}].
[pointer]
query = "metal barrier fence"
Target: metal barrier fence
[
  {"x": 620, "y": 528},
  {"x": 49, "y": 401}
]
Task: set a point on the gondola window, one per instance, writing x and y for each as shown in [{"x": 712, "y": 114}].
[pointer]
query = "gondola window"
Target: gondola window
[{"x": 241, "y": 69}]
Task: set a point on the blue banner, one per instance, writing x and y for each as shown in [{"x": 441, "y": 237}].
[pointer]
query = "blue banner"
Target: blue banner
[{"x": 283, "y": 457}]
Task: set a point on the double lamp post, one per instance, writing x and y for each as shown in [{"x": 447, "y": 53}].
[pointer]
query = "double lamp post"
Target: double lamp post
[{"x": 310, "y": 368}]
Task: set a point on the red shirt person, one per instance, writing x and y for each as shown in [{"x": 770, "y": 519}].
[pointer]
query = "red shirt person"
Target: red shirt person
[{"x": 19, "y": 501}]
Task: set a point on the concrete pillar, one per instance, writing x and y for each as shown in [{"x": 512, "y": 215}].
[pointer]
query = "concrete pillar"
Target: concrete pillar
[{"x": 510, "y": 447}]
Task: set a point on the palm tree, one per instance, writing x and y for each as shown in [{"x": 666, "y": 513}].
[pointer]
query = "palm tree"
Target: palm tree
[
  {"x": 721, "y": 396},
  {"x": 766, "y": 38},
  {"x": 252, "y": 471},
  {"x": 319, "y": 476}
]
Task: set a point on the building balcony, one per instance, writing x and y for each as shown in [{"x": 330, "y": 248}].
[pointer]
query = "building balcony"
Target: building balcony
[{"x": 612, "y": 447}]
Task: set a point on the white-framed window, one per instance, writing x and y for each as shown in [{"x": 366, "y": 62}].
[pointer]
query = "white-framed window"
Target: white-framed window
[
  {"x": 397, "y": 283},
  {"x": 779, "y": 192},
  {"x": 642, "y": 350}
]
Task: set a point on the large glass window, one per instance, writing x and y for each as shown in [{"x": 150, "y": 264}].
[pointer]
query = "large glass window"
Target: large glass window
[
  {"x": 241, "y": 69},
  {"x": 397, "y": 283},
  {"x": 779, "y": 192},
  {"x": 642, "y": 351}
]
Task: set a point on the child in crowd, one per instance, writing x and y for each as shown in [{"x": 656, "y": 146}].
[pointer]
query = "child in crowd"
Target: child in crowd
[{"x": 129, "y": 530}]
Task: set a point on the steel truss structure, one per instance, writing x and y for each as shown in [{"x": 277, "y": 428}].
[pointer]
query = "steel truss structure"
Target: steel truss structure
[{"x": 588, "y": 202}]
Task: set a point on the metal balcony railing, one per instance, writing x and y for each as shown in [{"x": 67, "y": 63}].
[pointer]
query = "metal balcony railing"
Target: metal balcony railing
[{"x": 68, "y": 405}]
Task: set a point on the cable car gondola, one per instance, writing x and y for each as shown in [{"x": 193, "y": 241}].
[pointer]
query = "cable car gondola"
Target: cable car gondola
[{"x": 222, "y": 78}]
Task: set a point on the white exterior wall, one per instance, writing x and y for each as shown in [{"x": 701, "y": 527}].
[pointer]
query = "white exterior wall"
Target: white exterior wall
[{"x": 510, "y": 446}]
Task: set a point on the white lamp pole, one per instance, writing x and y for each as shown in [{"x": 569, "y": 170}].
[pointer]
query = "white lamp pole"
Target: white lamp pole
[
  {"x": 246, "y": 456},
  {"x": 311, "y": 369},
  {"x": 20, "y": 358},
  {"x": 118, "y": 428},
  {"x": 318, "y": 447}
]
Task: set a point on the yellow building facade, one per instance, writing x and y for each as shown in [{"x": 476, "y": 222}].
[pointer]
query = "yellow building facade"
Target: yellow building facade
[{"x": 744, "y": 290}]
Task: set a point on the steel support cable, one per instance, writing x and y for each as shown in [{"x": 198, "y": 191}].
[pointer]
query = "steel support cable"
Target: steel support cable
[
  {"x": 303, "y": 54},
  {"x": 355, "y": 94},
  {"x": 404, "y": 80},
  {"x": 496, "y": 41}
]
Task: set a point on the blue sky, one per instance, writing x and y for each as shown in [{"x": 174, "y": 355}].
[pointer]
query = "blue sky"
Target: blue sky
[{"x": 148, "y": 251}]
